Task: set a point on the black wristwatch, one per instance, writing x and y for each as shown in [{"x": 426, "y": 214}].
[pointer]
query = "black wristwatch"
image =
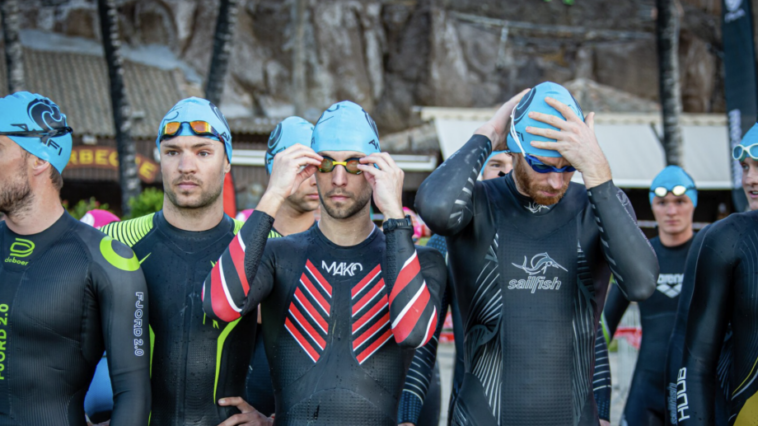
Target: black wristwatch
[{"x": 392, "y": 224}]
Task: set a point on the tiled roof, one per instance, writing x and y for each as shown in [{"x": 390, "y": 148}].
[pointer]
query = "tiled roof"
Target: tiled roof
[{"x": 79, "y": 84}]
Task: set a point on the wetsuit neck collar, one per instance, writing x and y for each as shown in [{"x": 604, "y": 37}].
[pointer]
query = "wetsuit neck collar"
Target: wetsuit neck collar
[
  {"x": 322, "y": 238},
  {"x": 684, "y": 246},
  {"x": 21, "y": 250},
  {"x": 192, "y": 241},
  {"x": 525, "y": 202}
]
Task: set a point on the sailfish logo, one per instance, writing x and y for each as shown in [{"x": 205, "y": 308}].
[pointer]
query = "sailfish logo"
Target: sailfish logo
[{"x": 539, "y": 264}]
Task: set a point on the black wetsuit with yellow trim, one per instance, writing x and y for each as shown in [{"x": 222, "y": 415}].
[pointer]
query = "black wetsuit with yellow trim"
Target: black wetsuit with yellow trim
[
  {"x": 531, "y": 282},
  {"x": 725, "y": 292},
  {"x": 67, "y": 294},
  {"x": 195, "y": 360}
]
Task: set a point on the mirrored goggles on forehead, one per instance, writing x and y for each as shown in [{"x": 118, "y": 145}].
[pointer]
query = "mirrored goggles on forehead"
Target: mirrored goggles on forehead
[
  {"x": 350, "y": 165},
  {"x": 536, "y": 165},
  {"x": 741, "y": 152},
  {"x": 199, "y": 128},
  {"x": 678, "y": 190}
]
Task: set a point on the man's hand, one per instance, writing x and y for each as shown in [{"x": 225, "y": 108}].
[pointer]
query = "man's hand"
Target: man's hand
[
  {"x": 387, "y": 183},
  {"x": 575, "y": 141},
  {"x": 291, "y": 167},
  {"x": 497, "y": 127},
  {"x": 248, "y": 416}
]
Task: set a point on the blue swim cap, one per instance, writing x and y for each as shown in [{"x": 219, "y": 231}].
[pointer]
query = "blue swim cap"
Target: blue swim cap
[
  {"x": 345, "y": 126},
  {"x": 535, "y": 101},
  {"x": 672, "y": 176},
  {"x": 290, "y": 131},
  {"x": 27, "y": 112},
  {"x": 197, "y": 109}
]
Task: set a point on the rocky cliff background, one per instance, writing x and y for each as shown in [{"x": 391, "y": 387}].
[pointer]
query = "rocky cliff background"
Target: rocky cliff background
[{"x": 392, "y": 55}]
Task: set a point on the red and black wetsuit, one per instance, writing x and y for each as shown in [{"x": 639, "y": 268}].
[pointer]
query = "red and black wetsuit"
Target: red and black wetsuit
[
  {"x": 339, "y": 323},
  {"x": 531, "y": 281}
]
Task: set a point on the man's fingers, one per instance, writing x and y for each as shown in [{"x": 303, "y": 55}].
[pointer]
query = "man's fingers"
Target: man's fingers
[
  {"x": 369, "y": 169},
  {"x": 551, "y": 146},
  {"x": 547, "y": 133},
  {"x": 550, "y": 119},
  {"x": 590, "y": 121},
  {"x": 236, "y": 401},
  {"x": 564, "y": 109}
]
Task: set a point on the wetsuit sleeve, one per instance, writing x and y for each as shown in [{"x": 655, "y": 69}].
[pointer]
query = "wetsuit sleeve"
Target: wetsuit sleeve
[
  {"x": 415, "y": 286},
  {"x": 227, "y": 292},
  {"x": 628, "y": 252},
  {"x": 121, "y": 293},
  {"x": 445, "y": 200},
  {"x": 421, "y": 373},
  {"x": 706, "y": 327},
  {"x": 676, "y": 343},
  {"x": 601, "y": 380},
  {"x": 615, "y": 307}
]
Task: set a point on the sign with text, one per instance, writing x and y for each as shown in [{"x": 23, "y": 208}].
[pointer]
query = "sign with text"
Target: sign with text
[{"x": 105, "y": 157}]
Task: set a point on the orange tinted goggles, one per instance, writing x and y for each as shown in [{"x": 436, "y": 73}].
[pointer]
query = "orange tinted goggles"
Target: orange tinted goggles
[
  {"x": 350, "y": 165},
  {"x": 199, "y": 128}
]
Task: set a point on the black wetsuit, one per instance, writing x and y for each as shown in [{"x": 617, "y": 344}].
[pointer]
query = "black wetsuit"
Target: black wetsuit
[
  {"x": 196, "y": 360},
  {"x": 259, "y": 391},
  {"x": 67, "y": 294},
  {"x": 340, "y": 323},
  {"x": 676, "y": 344},
  {"x": 414, "y": 404},
  {"x": 725, "y": 291},
  {"x": 646, "y": 403},
  {"x": 531, "y": 282}
]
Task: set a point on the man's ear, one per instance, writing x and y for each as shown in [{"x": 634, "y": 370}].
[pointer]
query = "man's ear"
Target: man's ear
[{"x": 40, "y": 166}]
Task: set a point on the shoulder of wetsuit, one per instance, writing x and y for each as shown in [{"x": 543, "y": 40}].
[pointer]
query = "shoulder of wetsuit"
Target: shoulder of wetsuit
[
  {"x": 238, "y": 225},
  {"x": 131, "y": 231},
  {"x": 105, "y": 250}
]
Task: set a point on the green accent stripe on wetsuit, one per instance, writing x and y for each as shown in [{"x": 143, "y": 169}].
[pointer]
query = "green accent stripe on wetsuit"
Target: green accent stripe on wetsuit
[
  {"x": 131, "y": 231},
  {"x": 273, "y": 233},
  {"x": 220, "y": 350},
  {"x": 237, "y": 225}
]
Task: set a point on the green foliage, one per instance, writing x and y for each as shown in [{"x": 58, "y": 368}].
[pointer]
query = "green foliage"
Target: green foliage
[
  {"x": 83, "y": 206},
  {"x": 149, "y": 201}
]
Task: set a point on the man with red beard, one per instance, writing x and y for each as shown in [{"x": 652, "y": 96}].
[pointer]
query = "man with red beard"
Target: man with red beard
[{"x": 531, "y": 256}]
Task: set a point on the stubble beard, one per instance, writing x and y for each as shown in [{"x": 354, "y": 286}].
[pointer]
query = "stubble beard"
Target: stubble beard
[
  {"x": 16, "y": 196},
  {"x": 532, "y": 189},
  {"x": 206, "y": 199},
  {"x": 348, "y": 211}
]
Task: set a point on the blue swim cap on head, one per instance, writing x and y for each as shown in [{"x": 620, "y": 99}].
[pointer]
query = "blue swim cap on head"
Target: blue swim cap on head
[
  {"x": 27, "y": 112},
  {"x": 197, "y": 109},
  {"x": 535, "y": 101},
  {"x": 290, "y": 131},
  {"x": 672, "y": 176},
  {"x": 345, "y": 126}
]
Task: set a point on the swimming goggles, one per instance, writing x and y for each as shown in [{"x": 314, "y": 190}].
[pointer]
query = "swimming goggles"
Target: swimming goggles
[
  {"x": 678, "y": 190},
  {"x": 350, "y": 165},
  {"x": 199, "y": 128},
  {"x": 740, "y": 152}
]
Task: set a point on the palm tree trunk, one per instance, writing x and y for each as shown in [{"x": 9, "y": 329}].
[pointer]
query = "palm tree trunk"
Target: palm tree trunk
[
  {"x": 222, "y": 47},
  {"x": 298, "y": 57},
  {"x": 667, "y": 34},
  {"x": 14, "y": 52},
  {"x": 127, "y": 167}
]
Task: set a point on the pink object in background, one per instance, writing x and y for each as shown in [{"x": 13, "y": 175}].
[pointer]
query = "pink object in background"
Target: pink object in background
[
  {"x": 420, "y": 230},
  {"x": 99, "y": 218},
  {"x": 244, "y": 214}
]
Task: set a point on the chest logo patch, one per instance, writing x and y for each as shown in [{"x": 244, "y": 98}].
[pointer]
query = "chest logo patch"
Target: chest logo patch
[
  {"x": 537, "y": 268},
  {"x": 19, "y": 249},
  {"x": 307, "y": 316},
  {"x": 670, "y": 284},
  {"x": 342, "y": 268}
]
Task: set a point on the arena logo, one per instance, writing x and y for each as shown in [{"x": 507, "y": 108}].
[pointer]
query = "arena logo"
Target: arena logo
[
  {"x": 734, "y": 10},
  {"x": 670, "y": 284},
  {"x": 342, "y": 268},
  {"x": 538, "y": 265}
]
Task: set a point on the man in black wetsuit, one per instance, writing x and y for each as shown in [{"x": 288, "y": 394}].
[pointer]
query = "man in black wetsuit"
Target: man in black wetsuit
[
  {"x": 196, "y": 360},
  {"x": 68, "y": 292},
  {"x": 294, "y": 216},
  {"x": 343, "y": 304},
  {"x": 673, "y": 198},
  {"x": 725, "y": 293},
  {"x": 421, "y": 399},
  {"x": 531, "y": 256}
]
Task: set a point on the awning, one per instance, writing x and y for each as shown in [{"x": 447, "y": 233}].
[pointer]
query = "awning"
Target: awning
[{"x": 628, "y": 141}]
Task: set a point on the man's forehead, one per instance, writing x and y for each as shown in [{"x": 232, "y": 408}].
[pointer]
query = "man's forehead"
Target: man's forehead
[
  {"x": 341, "y": 155},
  {"x": 188, "y": 141}
]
